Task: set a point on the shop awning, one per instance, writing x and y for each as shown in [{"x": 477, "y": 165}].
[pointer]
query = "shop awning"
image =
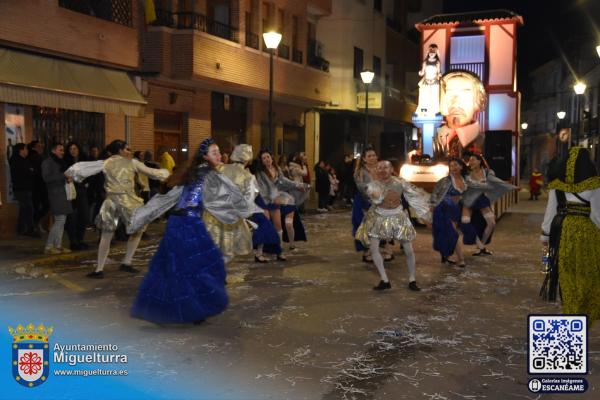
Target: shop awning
[{"x": 43, "y": 81}]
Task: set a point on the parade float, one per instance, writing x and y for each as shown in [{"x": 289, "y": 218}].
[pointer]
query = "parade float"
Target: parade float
[{"x": 468, "y": 98}]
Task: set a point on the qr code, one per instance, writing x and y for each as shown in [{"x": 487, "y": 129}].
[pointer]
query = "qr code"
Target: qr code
[{"x": 557, "y": 344}]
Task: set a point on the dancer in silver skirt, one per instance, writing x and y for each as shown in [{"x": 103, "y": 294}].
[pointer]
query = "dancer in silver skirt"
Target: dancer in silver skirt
[{"x": 387, "y": 220}]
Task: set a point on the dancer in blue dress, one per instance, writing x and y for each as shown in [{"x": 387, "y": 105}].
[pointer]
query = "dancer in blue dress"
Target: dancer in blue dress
[
  {"x": 446, "y": 204},
  {"x": 363, "y": 175},
  {"x": 281, "y": 195},
  {"x": 483, "y": 189},
  {"x": 264, "y": 236},
  {"x": 186, "y": 279}
]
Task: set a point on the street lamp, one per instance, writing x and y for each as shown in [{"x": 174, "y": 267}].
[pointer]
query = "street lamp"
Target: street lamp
[
  {"x": 598, "y": 50},
  {"x": 559, "y": 144},
  {"x": 272, "y": 40},
  {"x": 579, "y": 88},
  {"x": 524, "y": 125},
  {"x": 367, "y": 77}
]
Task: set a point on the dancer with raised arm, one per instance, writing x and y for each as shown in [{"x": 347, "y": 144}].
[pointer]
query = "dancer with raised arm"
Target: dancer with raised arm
[
  {"x": 121, "y": 200},
  {"x": 387, "y": 220},
  {"x": 366, "y": 170},
  {"x": 186, "y": 278},
  {"x": 279, "y": 194},
  {"x": 484, "y": 188}
]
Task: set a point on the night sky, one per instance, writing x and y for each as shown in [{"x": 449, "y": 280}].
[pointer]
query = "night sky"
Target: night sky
[{"x": 550, "y": 26}]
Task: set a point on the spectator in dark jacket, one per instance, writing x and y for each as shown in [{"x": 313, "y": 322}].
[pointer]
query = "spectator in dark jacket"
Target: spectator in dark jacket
[
  {"x": 22, "y": 177},
  {"x": 53, "y": 169},
  {"x": 78, "y": 220},
  {"x": 348, "y": 187},
  {"x": 40, "y": 195},
  {"x": 322, "y": 185}
]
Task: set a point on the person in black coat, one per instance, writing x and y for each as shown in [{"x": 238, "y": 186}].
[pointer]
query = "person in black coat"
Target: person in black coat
[
  {"x": 322, "y": 185},
  {"x": 53, "y": 169},
  {"x": 40, "y": 194},
  {"x": 78, "y": 220},
  {"x": 22, "y": 178}
]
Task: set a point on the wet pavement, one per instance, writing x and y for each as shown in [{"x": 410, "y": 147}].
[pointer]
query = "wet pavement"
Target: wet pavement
[{"x": 312, "y": 328}]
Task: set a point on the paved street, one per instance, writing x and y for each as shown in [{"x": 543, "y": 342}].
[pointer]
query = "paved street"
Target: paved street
[{"x": 312, "y": 328}]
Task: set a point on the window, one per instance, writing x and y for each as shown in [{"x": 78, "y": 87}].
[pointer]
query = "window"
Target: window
[
  {"x": 266, "y": 17},
  {"x": 377, "y": 5},
  {"x": 468, "y": 52},
  {"x": 118, "y": 11},
  {"x": 57, "y": 125},
  {"x": 358, "y": 62},
  {"x": 280, "y": 21},
  {"x": 377, "y": 66}
]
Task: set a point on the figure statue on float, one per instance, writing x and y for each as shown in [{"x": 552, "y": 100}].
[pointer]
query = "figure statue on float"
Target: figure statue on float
[{"x": 429, "y": 85}]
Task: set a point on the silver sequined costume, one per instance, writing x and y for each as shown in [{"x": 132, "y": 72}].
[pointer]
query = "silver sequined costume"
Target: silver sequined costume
[{"x": 387, "y": 224}]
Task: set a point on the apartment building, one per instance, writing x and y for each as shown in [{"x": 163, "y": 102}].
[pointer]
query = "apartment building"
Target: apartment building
[
  {"x": 66, "y": 71},
  {"x": 94, "y": 71},
  {"x": 206, "y": 71},
  {"x": 373, "y": 35}
]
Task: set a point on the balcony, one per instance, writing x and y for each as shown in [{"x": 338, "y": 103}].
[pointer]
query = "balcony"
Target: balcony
[
  {"x": 476, "y": 68},
  {"x": 164, "y": 18},
  {"x": 200, "y": 22},
  {"x": 283, "y": 51},
  {"x": 297, "y": 56},
  {"x": 118, "y": 11},
  {"x": 313, "y": 56},
  {"x": 252, "y": 40}
]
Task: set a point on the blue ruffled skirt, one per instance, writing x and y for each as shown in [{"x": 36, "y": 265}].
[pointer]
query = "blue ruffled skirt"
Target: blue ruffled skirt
[
  {"x": 481, "y": 202},
  {"x": 265, "y": 234},
  {"x": 186, "y": 278},
  {"x": 359, "y": 207},
  {"x": 444, "y": 234},
  {"x": 299, "y": 232}
]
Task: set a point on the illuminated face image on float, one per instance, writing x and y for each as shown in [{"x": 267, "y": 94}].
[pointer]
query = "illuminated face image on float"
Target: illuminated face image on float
[
  {"x": 458, "y": 102},
  {"x": 463, "y": 96}
]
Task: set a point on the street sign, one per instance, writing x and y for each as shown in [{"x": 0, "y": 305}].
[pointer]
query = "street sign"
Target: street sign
[{"x": 374, "y": 100}]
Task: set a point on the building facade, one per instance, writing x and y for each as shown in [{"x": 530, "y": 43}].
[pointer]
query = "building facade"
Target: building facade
[
  {"x": 199, "y": 69},
  {"x": 374, "y": 38}
]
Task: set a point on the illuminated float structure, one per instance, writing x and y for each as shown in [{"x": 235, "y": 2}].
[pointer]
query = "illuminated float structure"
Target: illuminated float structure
[{"x": 473, "y": 53}]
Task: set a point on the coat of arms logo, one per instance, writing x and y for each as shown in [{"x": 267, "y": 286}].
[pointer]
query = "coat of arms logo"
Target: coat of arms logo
[{"x": 30, "y": 354}]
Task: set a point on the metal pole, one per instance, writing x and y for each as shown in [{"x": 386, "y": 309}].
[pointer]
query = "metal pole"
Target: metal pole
[
  {"x": 271, "y": 147},
  {"x": 366, "y": 116},
  {"x": 578, "y": 119}
]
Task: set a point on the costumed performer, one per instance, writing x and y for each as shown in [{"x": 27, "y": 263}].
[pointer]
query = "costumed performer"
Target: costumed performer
[
  {"x": 121, "y": 200},
  {"x": 387, "y": 220},
  {"x": 571, "y": 227}
]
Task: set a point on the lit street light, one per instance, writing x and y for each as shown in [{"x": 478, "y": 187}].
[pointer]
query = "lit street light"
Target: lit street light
[
  {"x": 524, "y": 125},
  {"x": 272, "y": 40},
  {"x": 367, "y": 77},
  {"x": 579, "y": 89},
  {"x": 561, "y": 115},
  {"x": 598, "y": 50}
]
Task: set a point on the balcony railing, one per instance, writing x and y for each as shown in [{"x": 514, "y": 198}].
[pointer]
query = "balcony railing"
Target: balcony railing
[
  {"x": 190, "y": 20},
  {"x": 313, "y": 56},
  {"x": 200, "y": 22},
  {"x": 252, "y": 40},
  {"x": 164, "y": 18},
  {"x": 118, "y": 11},
  {"x": 283, "y": 51},
  {"x": 476, "y": 68},
  {"x": 297, "y": 56}
]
